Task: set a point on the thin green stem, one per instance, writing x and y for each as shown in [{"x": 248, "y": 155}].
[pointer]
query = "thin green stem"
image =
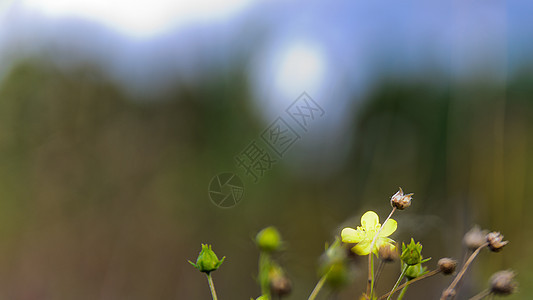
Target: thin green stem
[
  {"x": 264, "y": 267},
  {"x": 211, "y": 286},
  {"x": 318, "y": 287},
  {"x": 398, "y": 281},
  {"x": 429, "y": 274},
  {"x": 451, "y": 289},
  {"x": 370, "y": 283},
  {"x": 481, "y": 295},
  {"x": 402, "y": 293}
]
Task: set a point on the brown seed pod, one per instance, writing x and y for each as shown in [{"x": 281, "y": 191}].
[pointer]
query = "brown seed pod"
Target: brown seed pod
[
  {"x": 496, "y": 242},
  {"x": 400, "y": 200},
  {"x": 475, "y": 238},
  {"x": 503, "y": 283},
  {"x": 447, "y": 265}
]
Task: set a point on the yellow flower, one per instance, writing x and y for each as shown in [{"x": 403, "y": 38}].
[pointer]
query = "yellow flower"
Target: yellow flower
[{"x": 365, "y": 233}]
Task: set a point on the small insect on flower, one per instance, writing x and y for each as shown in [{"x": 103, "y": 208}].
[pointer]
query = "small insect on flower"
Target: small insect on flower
[{"x": 364, "y": 234}]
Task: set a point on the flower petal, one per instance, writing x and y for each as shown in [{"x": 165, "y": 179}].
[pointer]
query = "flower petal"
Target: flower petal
[
  {"x": 369, "y": 220},
  {"x": 363, "y": 248},
  {"x": 388, "y": 228},
  {"x": 350, "y": 235}
]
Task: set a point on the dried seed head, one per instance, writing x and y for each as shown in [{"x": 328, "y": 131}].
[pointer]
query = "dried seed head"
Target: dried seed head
[
  {"x": 503, "y": 283},
  {"x": 401, "y": 201},
  {"x": 496, "y": 242},
  {"x": 475, "y": 238},
  {"x": 448, "y": 293},
  {"x": 280, "y": 286},
  {"x": 447, "y": 265},
  {"x": 388, "y": 253}
]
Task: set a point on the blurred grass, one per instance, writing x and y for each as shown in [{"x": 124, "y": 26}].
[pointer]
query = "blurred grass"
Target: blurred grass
[{"x": 106, "y": 197}]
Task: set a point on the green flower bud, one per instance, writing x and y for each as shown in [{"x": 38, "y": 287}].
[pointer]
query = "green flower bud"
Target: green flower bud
[
  {"x": 207, "y": 260},
  {"x": 268, "y": 239},
  {"x": 412, "y": 253},
  {"x": 338, "y": 275},
  {"x": 334, "y": 253},
  {"x": 415, "y": 271},
  {"x": 334, "y": 263}
]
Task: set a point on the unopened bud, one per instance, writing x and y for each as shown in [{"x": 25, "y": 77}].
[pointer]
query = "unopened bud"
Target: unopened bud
[
  {"x": 412, "y": 253},
  {"x": 496, "y": 242},
  {"x": 337, "y": 275},
  {"x": 207, "y": 260},
  {"x": 401, "y": 201},
  {"x": 475, "y": 238},
  {"x": 334, "y": 265},
  {"x": 447, "y": 265},
  {"x": 268, "y": 239},
  {"x": 415, "y": 271},
  {"x": 503, "y": 283}
]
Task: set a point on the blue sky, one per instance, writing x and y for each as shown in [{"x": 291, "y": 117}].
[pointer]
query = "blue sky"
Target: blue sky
[
  {"x": 290, "y": 45},
  {"x": 336, "y": 51}
]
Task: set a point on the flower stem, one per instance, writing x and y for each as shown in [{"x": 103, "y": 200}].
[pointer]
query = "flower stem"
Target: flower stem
[
  {"x": 378, "y": 273},
  {"x": 371, "y": 273},
  {"x": 318, "y": 287},
  {"x": 264, "y": 267},
  {"x": 451, "y": 289},
  {"x": 212, "y": 286},
  {"x": 481, "y": 295},
  {"x": 402, "y": 293},
  {"x": 429, "y": 274},
  {"x": 370, "y": 283},
  {"x": 398, "y": 281}
]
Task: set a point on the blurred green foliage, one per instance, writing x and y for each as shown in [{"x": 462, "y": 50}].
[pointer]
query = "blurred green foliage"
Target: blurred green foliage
[{"x": 105, "y": 197}]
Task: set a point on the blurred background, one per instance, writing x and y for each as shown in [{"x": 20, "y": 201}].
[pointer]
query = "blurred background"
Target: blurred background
[{"x": 116, "y": 115}]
